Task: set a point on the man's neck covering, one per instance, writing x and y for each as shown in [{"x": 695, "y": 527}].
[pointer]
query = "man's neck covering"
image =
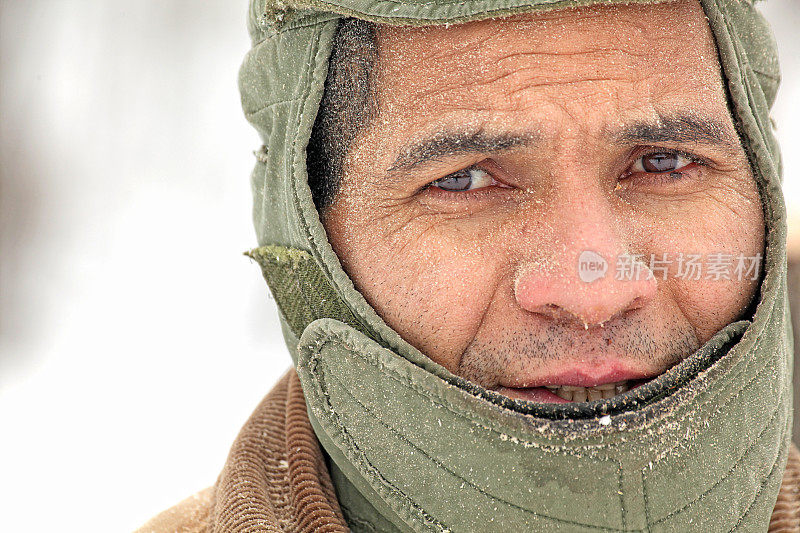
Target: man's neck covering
[{"x": 415, "y": 448}]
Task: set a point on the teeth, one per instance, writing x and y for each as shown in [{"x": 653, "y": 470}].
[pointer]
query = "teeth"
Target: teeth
[
  {"x": 582, "y": 394},
  {"x": 566, "y": 394}
]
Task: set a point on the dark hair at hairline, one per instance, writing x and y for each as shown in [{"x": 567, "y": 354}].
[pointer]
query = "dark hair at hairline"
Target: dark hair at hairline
[{"x": 347, "y": 106}]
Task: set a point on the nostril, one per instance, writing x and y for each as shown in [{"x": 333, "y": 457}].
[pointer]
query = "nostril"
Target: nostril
[
  {"x": 555, "y": 313},
  {"x": 636, "y": 303},
  {"x": 562, "y": 316},
  {"x": 590, "y": 317}
]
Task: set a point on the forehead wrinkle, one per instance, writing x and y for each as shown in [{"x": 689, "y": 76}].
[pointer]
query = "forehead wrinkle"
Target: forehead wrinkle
[
  {"x": 514, "y": 73},
  {"x": 475, "y": 71},
  {"x": 571, "y": 53}
]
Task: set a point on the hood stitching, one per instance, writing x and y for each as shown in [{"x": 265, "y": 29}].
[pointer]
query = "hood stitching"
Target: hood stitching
[
  {"x": 333, "y": 339},
  {"x": 777, "y": 468},
  {"x": 464, "y": 480},
  {"x": 727, "y": 474},
  {"x": 487, "y": 424}
]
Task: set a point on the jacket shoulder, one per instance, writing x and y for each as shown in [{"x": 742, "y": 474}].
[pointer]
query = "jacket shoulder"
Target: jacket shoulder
[{"x": 192, "y": 515}]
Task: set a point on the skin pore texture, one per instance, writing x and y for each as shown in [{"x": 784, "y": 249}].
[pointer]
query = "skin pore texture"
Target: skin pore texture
[{"x": 503, "y": 149}]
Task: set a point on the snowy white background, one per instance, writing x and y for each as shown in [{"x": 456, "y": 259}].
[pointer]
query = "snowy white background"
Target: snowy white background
[{"x": 135, "y": 338}]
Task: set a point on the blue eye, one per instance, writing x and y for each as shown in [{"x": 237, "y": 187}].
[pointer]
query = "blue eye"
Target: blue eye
[
  {"x": 464, "y": 180},
  {"x": 659, "y": 162}
]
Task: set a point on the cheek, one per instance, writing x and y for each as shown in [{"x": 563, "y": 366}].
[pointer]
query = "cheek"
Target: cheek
[
  {"x": 726, "y": 229},
  {"x": 710, "y": 305},
  {"x": 429, "y": 285}
]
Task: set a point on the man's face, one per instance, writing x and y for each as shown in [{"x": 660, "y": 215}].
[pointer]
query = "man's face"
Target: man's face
[{"x": 510, "y": 158}]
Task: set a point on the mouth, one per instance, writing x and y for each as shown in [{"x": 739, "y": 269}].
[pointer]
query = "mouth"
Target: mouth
[
  {"x": 571, "y": 393},
  {"x": 580, "y": 382}
]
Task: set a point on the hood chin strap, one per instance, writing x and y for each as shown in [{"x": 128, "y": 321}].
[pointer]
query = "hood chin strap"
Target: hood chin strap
[
  {"x": 702, "y": 447},
  {"x": 415, "y": 451}
]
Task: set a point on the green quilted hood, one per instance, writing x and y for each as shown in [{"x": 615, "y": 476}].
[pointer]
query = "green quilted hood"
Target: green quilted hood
[{"x": 413, "y": 447}]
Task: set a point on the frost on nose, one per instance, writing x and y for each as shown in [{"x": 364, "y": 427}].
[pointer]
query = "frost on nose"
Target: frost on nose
[{"x": 587, "y": 290}]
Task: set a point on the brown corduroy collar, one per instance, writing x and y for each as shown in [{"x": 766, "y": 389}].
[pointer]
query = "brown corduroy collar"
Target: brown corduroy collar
[{"x": 276, "y": 479}]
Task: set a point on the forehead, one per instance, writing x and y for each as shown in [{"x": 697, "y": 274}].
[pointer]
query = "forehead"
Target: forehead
[{"x": 641, "y": 59}]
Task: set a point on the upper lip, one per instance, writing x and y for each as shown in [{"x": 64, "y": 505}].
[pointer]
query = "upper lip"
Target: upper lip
[{"x": 586, "y": 374}]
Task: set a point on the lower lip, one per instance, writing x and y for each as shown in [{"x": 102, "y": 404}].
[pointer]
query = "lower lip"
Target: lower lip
[{"x": 541, "y": 394}]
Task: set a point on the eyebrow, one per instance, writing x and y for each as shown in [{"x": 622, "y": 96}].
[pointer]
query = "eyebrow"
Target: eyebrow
[
  {"x": 677, "y": 128},
  {"x": 449, "y": 144}
]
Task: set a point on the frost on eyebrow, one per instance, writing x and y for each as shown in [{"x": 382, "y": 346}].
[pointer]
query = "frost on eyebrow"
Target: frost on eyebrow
[
  {"x": 443, "y": 144},
  {"x": 680, "y": 128}
]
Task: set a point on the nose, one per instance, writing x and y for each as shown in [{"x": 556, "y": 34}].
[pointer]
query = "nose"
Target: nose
[{"x": 590, "y": 277}]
